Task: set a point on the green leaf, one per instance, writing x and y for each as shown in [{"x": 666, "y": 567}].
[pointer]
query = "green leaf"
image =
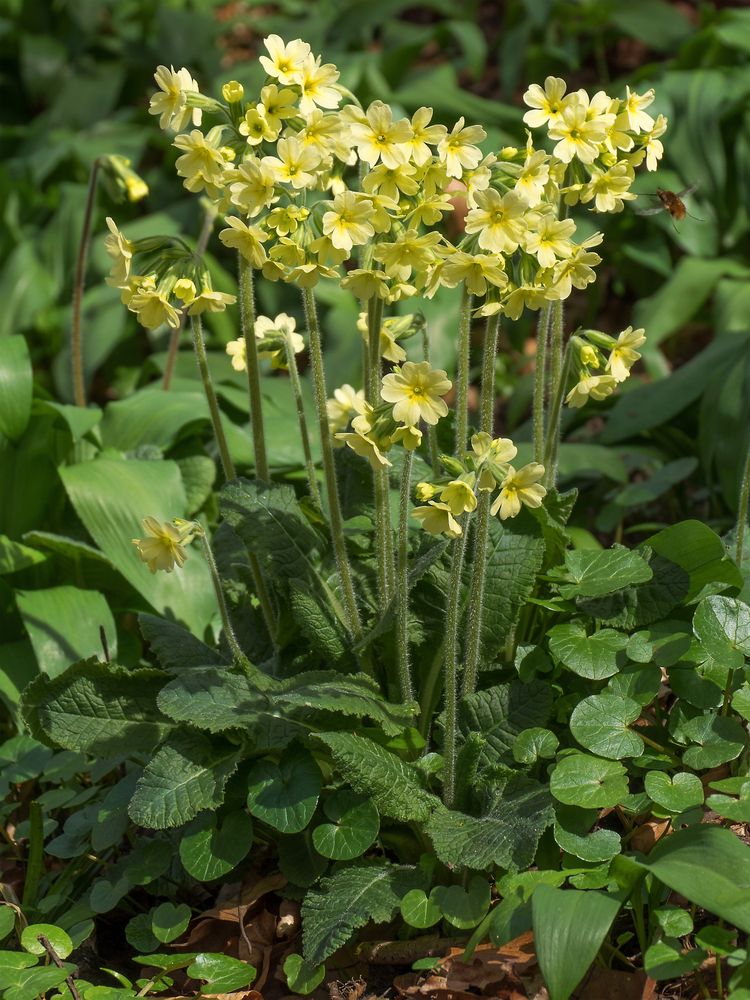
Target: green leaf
[
  {"x": 198, "y": 476},
  {"x": 718, "y": 740},
  {"x": 221, "y": 973},
  {"x": 7, "y": 920},
  {"x": 57, "y": 937},
  {"x": 28, "y": 984},
  {"x": 212, "y": 846},
  {"x": 596, "y": 573},
  {"x": 63, "y": 624},
  {"x": 588, "y": 782},
  {"x": 394, "y": 786},
  {"x": 285, "y": 795},
  {"x": 302, "y": 977},
  {"x": 636, "y": 606},
  {"x": 138, "y": 933},
  {"x": 78, "y": 419},
  {"x": 498, "y": 714},
  {"x": 594, "y": 656},
  {"x": 507, "y": 835},
  {"x": 212, "y": 699},
  {"x": 112, "y": 496},
  {"x": 463, "y": 908},
  {"x": 601, "y": 724},
  {"x": 666, "y": 960},
  {"x": 14, "y": 556},
  {"x": 657, "y": 484},
  {"x": 700, "y": 552},
  {"x": 98, "y": 707},
  {"x": 673, "y": 920},
  {"x": 186, "y": 774},
  {"x": 347, "y": 900},
  {"x": 16, "y": 386},
  {"x": 675, "y": 793},
  {"x": 534, "y": 744},
  {"x": 569, "y": 929},
  {"x": 722, "y": 624},
  {"x": 353, "y": 827},
  {"x": 169, "y": 921},
  {"x": 573, "y": 834},
  {"x": 420, "y": 910},
  {"x": 175, "y": 648},
  {"x": 741, "y": 701}
]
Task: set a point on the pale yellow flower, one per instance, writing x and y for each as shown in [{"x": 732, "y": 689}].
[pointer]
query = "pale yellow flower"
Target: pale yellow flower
[
  {"x": 576, "y": 135},
  {"x": 153, "y": 308},
  {"x": 277, "y": 105},
  {"x": 170, "y": 101},
  {"x": 365, "y": 447},
  {"x": 624, "y": 354},
  {"x": 366, "y": 282},
  {"x": 121, "y": 252},
  {"x": 294, "y": 163},
  {"x": 163, "y": 545},
  {"x": 416, "y": 390},
  {"x": 634, "y": 110},
  {"x": 390, "y": 349},
  {"x": 252, "y": 186},
  {"x": 425, "y": 491},
  {"x": 347, "y": 222},
  {"x": 326, "y": 134},
  {"x": 410, "y": 251},
  {"x": 520, "y": 487},
  {"x": 346, "y": 403},
  {"x": 233, "y": 92},
  {"x": 284, "y": 60},
  {"x": 203, "y": 161},
  {"x": 499, "y": 219},
  {"x": 438, "y": 519},
  {"x": 654, "y": 148},
  {"x": 392, "y": 182},
  {"x": 210, "y": 301},
  {"x": 533, "y": 177},
  {"x": 609, "y": 188},
  {"x": 316, "y": 83},
  {"x": 550, "y": 241},
  {"x": 410, "y": 437},
  {"x": 424, "y": 135},
  {"x": 459, "y": 496},
  {"x": 595, "y": 386},
  {"x": 546, "y": 103},
  {"x": 458, "y": 149},
  {"x": 282, "y": 327},
  {"x": 378, "y": 137},
  {"x": 256, "y": 127},
  {"x": 185, "y": 290},
  {"x": 237, "y": 352},
  {"x": 248, "y": 240},
  {"x": 476, "y": 269}
]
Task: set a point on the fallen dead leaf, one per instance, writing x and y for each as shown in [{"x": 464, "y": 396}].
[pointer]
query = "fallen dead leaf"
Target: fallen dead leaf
[
  {"x": 648, "y": 833},
  {"x": 616, "y": 985}
]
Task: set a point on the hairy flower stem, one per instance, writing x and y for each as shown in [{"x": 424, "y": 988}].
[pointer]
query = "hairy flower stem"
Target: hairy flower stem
[
  {"x": 540, "y": 379},
  {"x": 557, "y": 350},
  {"x": 176, "y": 335},
  {"x": 312, "y": 479},
  {"x": 555, "y": 419},
  {"x": 742, "y": 509},
  {"x": 482, "y": 521},
  {"x": 213, "y": 405},
  {"x": 237, "y": 653},
  {"x": 247, "y": 325},
  {"x": 383, "y": 535},
  {"x": 76, "y": 334},
  {"x": 462, "y": 376},
  {"x": 329, "y": 468},
  {"x": 402, "y": 582},
  {"x": 450, "y": 672},
  {"x": 431, "y": 429}
]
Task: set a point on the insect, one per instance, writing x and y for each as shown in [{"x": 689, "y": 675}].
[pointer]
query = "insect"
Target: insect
[{"x": 670, "y": 202}]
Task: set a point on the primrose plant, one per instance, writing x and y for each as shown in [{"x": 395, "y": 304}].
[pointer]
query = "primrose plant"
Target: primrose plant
[{"x": 401, "y": 689}]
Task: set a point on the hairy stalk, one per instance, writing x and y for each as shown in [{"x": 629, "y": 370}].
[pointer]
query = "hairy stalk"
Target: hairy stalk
[
  {"x": 76, "y": 333},
  {"x": 462, "y": 375},
  {"x": 450, "y": 672},
  {"x": 402, "y": 582},
  {"x": 237, "y": 653},
  {"x": 247, "y": 325},
  {"x": 431, "y": 429},
  {"x": 482, "y": 521},
  {"x": 176, "y": 335},
  {"x": 213, "y": 406},
  {"x": 742, "y": 509},
  {"x": 329, "y": 467},
  {"x": 540, "y": 379},
  {"x": 35, "y": 863},
  {"x": 555, "y": 417},
  {"x": 312, "y": 479},
  {"x": 383, "y": 536},
  {"x": 557, "y": 349}
]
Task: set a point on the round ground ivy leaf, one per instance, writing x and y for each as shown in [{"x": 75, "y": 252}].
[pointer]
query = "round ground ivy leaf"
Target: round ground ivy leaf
[
  {"x": 600, "y": 723},
  {"x": 573, "y": 834},
  {"x": 718, "y": 740},
  {"x": 594, "y": 656},
  {"x": 354, "y": 825},
  {"x": 674, "y": 921},
  {"x": 736, "y": 810},
  {"x": 741, "y": 701},
  {"x": 589, "y": 782},
  {"x": 676, "y": 794},
  {"x": 722, "y": 624},
  {"x": 221, "y": 973},
  {"x": 301, "y": 977},
  {"x": 639, "y": 681},
  {"x": 285, "y": 795},
  {"x": 57, "y": 937},
  {"x": 7, "y": 920},
  {"x": 420, "y": 910},
  {"x": 212, "y": 847},
  {"x": 139, "y": 934},
  {"x": 169, "y": 921},
  {"x": 533, "y": 744},
  {"x": 298, "y": 859},
  {"x": 464, "y": 908}
]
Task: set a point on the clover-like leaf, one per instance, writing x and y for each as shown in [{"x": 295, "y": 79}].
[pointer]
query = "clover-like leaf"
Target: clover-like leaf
[
  {"x": 676, "y": 793},
  {"x": 463, "y": 908},
  {"x": 573, "y": 834},
  {"x": 596, "y": 656},
  {"x": 353, "y": 827},
  {"x": 737, "y": 810},
  {"x": 741, "y": 701},
  {"x": 637, "y": 681},
  {"x": 589, "y": 782},
  {"x": 420, "y": 910},
  {"x": 211, "y": 846},
  {"x": 666, "y": 960},
  {"x": 601, "y": 724},
  {"x": 285, "y": 795},
  {"x": 169, "y": 921}
]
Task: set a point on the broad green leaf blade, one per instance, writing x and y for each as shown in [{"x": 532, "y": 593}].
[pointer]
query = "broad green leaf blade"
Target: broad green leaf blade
[
  {"x": 16, "y": 386},
  {"x": 221, "y": 973},
  {"x": 589, "y": 782},
  {"x": 590, "y": 573},
  {"x": 569, "y": 928},
  {"x": 501, "y": 712},
  {"x": 101, "y": 708},
  {"x": 64, "y": 625},
  {"x": 187, "y": 774},
  {"x": 700, "y": 552},
  {"x": 573, "y": 834},
  {"x": 212, "y": 846},
  {"x": 175, "y": 648},
  {"x": 169, "y": 921},
  {"x": 112, "y": 496},
  {"x": 595, "y": 657},
  {"x": 285, "y": 795},
  {"x": 14, "y": 556},
  {"x": 722, "y": 624},
  {"x": 675, "y": 793},
  {"x": 352, "y": 828},
  {"x": 601, "y": 724},
  {"x": 463, "y": 908}
]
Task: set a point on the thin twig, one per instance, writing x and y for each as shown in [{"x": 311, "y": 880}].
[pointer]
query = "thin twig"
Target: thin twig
[{"x": 46, "y": 944}]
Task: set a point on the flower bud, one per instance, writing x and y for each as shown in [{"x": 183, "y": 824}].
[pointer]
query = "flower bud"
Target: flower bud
[
  {"x": 233, "y": 92},
  {"x": 184, "y": 290},
  {"x": 425, "y": 492},
  {"x": 123, "y": 181}
]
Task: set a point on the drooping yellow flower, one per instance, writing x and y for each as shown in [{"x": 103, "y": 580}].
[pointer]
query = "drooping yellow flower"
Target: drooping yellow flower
[
  {"x": 346, "y": 403},
  {"x": 624, "y": 354},
  {"x": 437, "y": 519},
  {"x": 654, "y": 148},
  {"x": 284, "y": 60},
  {"x": 416, "y": 390},
  {"x": 366, "y": 282},
  {"x": 365, "y": 447},
  {"x": 237, "y": 352},
  {"x": 459, "y": 496},
  {"x": 595, "y": 386},
  {"x": 520, "y": 487},
  {"x": 634, "y": 110},
  {"x": 283, "y": 327},
  {"x": 170, "y": 101},
  {"x": 390, "y": 349},
  {"x": 425, "y": 491},
  {"x": 410, "y": 437},
  {"x": 294, "y": 163},
  {"x": 546, "y": 103},
  {"x": 210, "y": 301},
  {"x": 378, "y": 137},
  {"x": 203, "y": 160},
  {"x": 121, "y": 252},
  {"x": 184, "y": 289},
  {"x": 248, "y": 240},
  {"x": 458, "y": 149},
  {"x": 499, "y": 219},
  {"x": 252, "y": 186},
  {"x": 153, "y": 308},
  {"x": 476, "y": 269},
  {"x": 347, "y": 221},
  {"x": 163, "y": 545}
]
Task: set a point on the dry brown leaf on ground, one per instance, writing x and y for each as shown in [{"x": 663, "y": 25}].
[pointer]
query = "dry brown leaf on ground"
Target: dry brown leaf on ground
[
  {"x": 616, "y": 985},
  {"x": 648, "y": 833}
]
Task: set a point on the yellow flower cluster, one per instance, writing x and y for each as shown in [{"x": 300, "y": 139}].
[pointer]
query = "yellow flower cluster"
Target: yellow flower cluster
[
  {"x": 598, "y": 376},
  {"x": 163, "y": 546},
  {"x": 271, "y": 336}
]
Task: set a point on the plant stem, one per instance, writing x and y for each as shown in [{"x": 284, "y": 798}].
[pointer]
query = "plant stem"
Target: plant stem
[
  {"x": 213, "y": 406},
  {"x": 462, "y": 376},
  {"x": 383, "y": 536},
  {"x": 742, "y": 509},
  {"x": 540, "y": 379},
  {"x": 76, "y": 334},
  {"x": 374, "y": 323},
  {"x": 402, "y": 582},
  {"x": 312, "y": 479},
  {"x": 329, "y": 467},
  {"x": 450, "y": 672},
  {"x": 556, "y": 363},
  {"x": 431, "y": 428},
  {"x": 555, "y": 417},
  {"x": 47, "y": 945},
  {"x": 247, "y": 325},
  {"x": 482, "y": 523},
  {"x": 35, "y": 863},
  {"x": 237, "y": 653},
  {"x": 176, "y": 335}
]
